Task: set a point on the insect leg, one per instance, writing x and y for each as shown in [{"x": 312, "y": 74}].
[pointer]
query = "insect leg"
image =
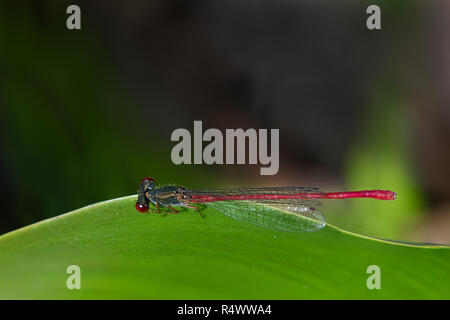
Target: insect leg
[
  {"x": 158, "y": 209},
  {"x": 195, "y": 208},
  {"x": 173, "y": 210}
]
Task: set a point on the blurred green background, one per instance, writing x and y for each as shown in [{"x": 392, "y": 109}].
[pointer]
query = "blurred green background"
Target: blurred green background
[{"x": 85, "y": 114}]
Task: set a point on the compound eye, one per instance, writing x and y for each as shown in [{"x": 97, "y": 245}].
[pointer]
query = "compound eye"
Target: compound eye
[
  {"x": 147, "y": 179},
  {"x": 141, "y": 207}
]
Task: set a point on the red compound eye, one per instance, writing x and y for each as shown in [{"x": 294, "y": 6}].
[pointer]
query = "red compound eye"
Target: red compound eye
[
  {"x": 147, "y": 179},
  {"x": 141, "y": 207}
]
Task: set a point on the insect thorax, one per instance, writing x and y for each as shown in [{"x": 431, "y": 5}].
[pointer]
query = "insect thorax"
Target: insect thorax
[{"x": 171, "y": 196}]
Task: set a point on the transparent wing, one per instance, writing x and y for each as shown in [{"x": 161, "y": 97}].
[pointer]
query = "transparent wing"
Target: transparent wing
[
  {"x": 278, "y": 190},
  {"x": 243, "y": 193},
  {"x": 287, "y": 217}
]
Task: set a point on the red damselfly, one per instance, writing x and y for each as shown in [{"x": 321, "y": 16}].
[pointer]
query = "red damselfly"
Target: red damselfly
[{"x": 290, "y": 209}]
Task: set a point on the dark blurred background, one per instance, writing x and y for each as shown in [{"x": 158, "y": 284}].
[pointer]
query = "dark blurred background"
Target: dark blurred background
[{"x": 87, "y": 113}]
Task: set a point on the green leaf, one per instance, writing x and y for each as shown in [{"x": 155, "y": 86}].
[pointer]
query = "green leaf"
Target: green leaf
[{"x": 124, "y": 254}]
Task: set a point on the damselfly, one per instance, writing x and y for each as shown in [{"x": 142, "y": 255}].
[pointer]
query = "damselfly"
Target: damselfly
[{"x": 291, "y": 209}]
